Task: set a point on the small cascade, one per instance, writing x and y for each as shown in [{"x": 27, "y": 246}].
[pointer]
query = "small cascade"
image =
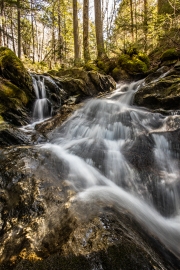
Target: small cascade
[
  {"x": 42, "y": 106},
  {"x": 114, "y": 153}
]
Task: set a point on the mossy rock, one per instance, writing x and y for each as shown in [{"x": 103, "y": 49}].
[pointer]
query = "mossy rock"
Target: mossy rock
[
  {"x": 107, "y": 65},
  {"x": 13, "y": 69},
  {"x": 133, "y": 64},
  {"x": 13, "y": 102},
  {"x": 84, "y": 83},
  {"x": 144, "y": 58},
  {"x": 90, "y": 66},
  {"x": 170, "y": 54},
  {"x": 162, "y": 94},
  {"x": 119, "y": 74}
]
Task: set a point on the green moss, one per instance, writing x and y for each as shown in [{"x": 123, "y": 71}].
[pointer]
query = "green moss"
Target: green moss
[
  {"x": 144, "y": 58},
  {"x": 123, "y": 59},
  {"x": 13, "y": 69},
  {"x": 134, "y": 64},
  {"x": 11, "y": 91},
  {"x": 1, "y": 119},
  {"x": 170, "y": 54},
  {"x": 90, "y": 66}
]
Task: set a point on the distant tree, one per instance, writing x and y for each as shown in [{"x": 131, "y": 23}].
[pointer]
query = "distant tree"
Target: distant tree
[
  {"x": 99, "y": 30},
  {"x": 76, "y": 33},
  {"x": 86, "y": 30},
  {"x": 19, "y": 27}
]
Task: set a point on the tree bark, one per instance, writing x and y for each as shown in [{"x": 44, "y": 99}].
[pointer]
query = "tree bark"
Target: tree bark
[
  {"x": 132, "y": 20},
  {"x": 12, "y": 32},
  {"x": 59, "y": 33},
  {"x": 99, "y": 30},
  {"x": 19, "y": 28},
  {"x": 1, "y": 21},
  {"x": 76, "y": 33},
  {"x": 145, "y": 24},
  {"x": 86, "y": 30},
  {"x": 32, "y": 29}
]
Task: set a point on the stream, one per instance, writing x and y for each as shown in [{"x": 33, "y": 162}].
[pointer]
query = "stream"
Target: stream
[
  {"x": 111, "y": 153},
  {"x": 94, "y": 144}
]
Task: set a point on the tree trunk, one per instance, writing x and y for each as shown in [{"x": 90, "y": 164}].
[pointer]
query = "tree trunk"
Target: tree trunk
[
  {"x": 99, "y": 30},
  {"x": 145, "y": 24},
  {"x": 12, "y": 32},
  {"x": 1, "y": 21},
  {"x": 53, "y": 33},
  {"x": 136, "y": 26},
  {"x": 132, "y": 20},
  {"x": 32, "y": 29},
  {"x": 19, "y": 28},
  {"x": 86, "y": 30},
  {"x": 76, "y": 33},
  {"x": 59, "y": 33}
]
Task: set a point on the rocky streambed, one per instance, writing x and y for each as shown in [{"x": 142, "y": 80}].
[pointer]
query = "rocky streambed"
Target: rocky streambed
[{"x": 100, "y": 190}]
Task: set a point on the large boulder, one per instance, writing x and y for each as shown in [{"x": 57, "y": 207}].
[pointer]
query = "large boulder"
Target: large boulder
[
  {"x": 84, "y": 83},
  {"x": 13, "y": 69},
  {"x": 43, "y": 228},
  {"x": 15, "y": 89},
  {"x": 160, "y": 93}
]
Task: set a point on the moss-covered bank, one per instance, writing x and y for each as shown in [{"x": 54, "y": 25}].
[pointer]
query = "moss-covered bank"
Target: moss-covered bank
[{"x": 15, "y": 89}]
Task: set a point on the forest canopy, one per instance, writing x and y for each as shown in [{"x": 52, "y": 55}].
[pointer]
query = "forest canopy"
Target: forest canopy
[{"x": 63, "y": 33}]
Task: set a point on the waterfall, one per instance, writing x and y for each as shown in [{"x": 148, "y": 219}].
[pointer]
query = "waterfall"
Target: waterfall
[
  {"x": 114, "y": 152},
  {"x": 42, "y": 106}
]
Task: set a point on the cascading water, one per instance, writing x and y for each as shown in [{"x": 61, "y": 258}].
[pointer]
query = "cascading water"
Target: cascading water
[
  {"x": 42, "y": 106},
  {"x": 114, "y": 152}
]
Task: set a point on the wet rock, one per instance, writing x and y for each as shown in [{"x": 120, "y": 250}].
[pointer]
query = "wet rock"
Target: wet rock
[
  {"x": 85, "y": 83},
  {"x": 47, "y": 127},
  {"x": 43, "y": 228},
  {"x": 15, "y": 89},
  {"x": 10, "y": 135},
  {"x": 162, "y": 93},
  {"x": 12, "y": 69}
]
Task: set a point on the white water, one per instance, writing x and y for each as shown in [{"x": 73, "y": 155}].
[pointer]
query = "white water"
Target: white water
[
  {"x": 96, "y": 144},
  {"x": 42, "y": 106}
]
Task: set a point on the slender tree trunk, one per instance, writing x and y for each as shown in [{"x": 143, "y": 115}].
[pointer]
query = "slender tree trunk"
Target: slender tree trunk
[
  {"x": 99, "y": 30},
  {"x": 53, "y": 33},
  {"x": 42, "y": 44},
  {"x": 132, "y": 20},
  {"x": 136, "y": 26},
  {"x": 19, "y": 28},
  {"x": 145, "y": 24},
  {"x": 36, "y": 47},
  {"x": 32, "y": 29},
  {"x": 59, "y": 32},
  {"x": 1, "y": 21},
  {"x": 12, "y": 32},
  {"x": 76, "y": 33},
  {"x": 86, "y": 30}
]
